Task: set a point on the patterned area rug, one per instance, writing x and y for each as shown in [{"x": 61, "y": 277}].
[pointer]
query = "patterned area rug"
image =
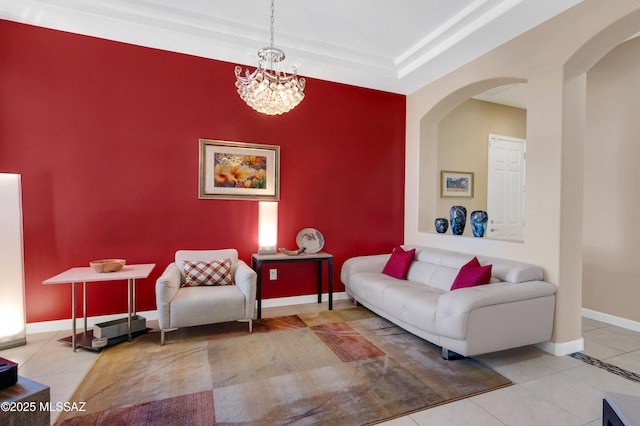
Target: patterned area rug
[{"x": 341, "y": 367}]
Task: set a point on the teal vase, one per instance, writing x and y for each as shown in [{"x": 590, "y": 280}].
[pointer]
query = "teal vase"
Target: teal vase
[
  {"x": 457, "y": 219},
  {"x": 478, "y": 221}
]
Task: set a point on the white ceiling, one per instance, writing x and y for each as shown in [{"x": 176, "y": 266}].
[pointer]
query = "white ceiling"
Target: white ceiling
[{"x": 391, "y": 45}]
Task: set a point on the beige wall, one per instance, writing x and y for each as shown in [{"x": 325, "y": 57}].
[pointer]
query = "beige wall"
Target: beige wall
[
  {"x": 553, "y": 59},
  {"x": 463, "y": 146},
  {"x": 611, "y": 195}
]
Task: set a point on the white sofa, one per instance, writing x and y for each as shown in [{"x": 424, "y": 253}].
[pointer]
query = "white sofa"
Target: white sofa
[
  {"x": 180, "y": 306},
  {"x": 515, "y": 309}
]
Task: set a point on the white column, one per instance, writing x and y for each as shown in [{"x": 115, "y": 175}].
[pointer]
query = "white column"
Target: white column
[{"x": 12, "y": 305}]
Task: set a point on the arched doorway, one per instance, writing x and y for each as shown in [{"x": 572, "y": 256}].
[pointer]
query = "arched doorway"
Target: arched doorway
[{"x": 575, "y": 125}]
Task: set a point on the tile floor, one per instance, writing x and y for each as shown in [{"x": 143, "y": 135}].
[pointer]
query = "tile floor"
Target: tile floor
[{"x": 548, "y": 390}]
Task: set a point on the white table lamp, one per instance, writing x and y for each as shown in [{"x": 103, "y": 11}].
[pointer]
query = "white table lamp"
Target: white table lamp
[
  {"x": 267, "y": 227},
  {"x": 13, "y": 330}
]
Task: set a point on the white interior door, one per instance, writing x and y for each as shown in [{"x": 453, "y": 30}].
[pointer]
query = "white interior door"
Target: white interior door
[{"x": 506, "y": 187}]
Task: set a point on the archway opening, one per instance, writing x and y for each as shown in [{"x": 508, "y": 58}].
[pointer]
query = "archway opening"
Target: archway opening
[{"x": 440, "y": 139}]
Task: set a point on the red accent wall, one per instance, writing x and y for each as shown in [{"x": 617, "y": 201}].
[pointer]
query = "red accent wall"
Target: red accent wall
[{"x": 105, "y": 136}]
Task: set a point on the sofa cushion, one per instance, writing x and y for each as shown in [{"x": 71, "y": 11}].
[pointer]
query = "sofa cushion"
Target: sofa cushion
[
  {"x": 412, "y": 303},
  {"x": 513, "y": 271},
  {"x": 203, "y": 305},
  {"x": 213, "y": 272},
  {"x": 371, "y": 286},
  {"x": 502, "y": 270},
  {"x": 399, "y": 262}
]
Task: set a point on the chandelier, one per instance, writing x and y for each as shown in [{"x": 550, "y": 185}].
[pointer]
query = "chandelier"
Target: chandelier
[{"x": 268, "y": 89}]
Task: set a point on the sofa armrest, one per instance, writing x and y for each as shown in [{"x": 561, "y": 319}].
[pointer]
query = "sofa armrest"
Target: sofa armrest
[
  {"x": 167, "y": 285},
  {"x": 454, "y": 307},
  {"x": 372, "y": 263},
  {"x": 245, "y": 278}
]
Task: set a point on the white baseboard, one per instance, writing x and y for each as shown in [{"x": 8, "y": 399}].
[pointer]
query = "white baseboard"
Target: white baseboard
[
  {"x": 65, "y": 324},
  {"x": 611, "y": 319},
  {"x": 564, "y": 348},
  {"x": 567, "y": 348},
  {"x": 300, "y": 300}
]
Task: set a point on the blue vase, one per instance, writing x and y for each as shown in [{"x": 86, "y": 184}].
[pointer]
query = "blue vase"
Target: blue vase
[
  {"x": 458, "y": 219},
  {"x": 442, "y": 225},
  {"x": 478, "y": 221}
]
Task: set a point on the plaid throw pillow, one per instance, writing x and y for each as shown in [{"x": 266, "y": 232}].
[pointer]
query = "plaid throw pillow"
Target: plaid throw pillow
[{"x": 212, "y": 272}]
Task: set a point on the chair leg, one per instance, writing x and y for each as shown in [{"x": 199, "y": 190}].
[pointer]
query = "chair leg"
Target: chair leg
[
  {"x": 250, "y": 321},
  {"x": 162, "y": 333}
]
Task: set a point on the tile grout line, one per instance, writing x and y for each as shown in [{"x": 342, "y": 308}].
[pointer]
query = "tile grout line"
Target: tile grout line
[{"x": 629, "y": 375}]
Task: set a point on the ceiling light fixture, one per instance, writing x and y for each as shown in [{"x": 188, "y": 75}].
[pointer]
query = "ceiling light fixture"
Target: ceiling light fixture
[{"x": 268, "y": 89}]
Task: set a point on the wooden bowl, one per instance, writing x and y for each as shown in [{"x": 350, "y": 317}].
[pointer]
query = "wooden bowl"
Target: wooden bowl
[{"x": 107, "y": 265}]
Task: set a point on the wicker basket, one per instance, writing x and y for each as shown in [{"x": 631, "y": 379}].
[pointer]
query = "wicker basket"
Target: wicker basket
[{"x": 107, "y": 265}]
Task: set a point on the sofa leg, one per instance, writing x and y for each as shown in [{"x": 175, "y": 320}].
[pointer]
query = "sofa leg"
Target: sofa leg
[{"x": 450, "y": 355}]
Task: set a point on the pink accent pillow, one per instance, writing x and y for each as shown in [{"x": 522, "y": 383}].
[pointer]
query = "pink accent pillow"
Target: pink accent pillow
[
  {"x": 399, "y": 262},
  {"x": 473, "y": 263},
  {"x": 472, "y": 274}
]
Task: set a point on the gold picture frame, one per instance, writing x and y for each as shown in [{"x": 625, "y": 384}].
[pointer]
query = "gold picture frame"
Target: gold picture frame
[
  {"x": 456, "y": 184},
  {"x": 238, "y": 171}
]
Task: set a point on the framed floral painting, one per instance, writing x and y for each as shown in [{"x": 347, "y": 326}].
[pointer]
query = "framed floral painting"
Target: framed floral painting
[{"x": 237, "y": 170}]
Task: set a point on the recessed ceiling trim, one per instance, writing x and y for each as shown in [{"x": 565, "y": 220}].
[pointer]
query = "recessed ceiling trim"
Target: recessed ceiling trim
[
  {"x": 365, "y": 43},
  {"x": 442, "y": 29},
  {"x": 461, "y": 32}
]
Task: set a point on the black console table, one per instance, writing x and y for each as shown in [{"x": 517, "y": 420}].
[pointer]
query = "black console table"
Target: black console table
[{"x": 257, "y": 260}]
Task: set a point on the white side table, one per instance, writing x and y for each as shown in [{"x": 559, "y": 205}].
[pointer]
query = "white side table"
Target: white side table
[{"x": 86, "y": 275}]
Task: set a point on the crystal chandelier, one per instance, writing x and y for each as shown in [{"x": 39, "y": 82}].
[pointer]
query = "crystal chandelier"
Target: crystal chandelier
[{"x": 268, "y": 89}]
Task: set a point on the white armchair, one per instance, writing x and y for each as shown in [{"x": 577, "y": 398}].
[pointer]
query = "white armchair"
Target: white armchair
[{"x": 182, "y": 306}]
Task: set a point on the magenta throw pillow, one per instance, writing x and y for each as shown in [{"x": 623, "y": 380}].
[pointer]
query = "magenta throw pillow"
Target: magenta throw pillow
[
  {"x": 473, "y": 263},
  {"x": 399, "y": 262},
  {"x": 472, "y": 274}
]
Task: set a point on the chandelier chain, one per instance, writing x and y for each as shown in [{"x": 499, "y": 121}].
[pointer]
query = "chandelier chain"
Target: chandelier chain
[{"x": 273, "y": 7}]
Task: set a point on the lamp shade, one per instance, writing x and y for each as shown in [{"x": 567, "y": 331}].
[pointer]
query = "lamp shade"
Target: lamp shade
[
  {"x": 267, "y": 227},
  {"x": 12, "y": 305}
]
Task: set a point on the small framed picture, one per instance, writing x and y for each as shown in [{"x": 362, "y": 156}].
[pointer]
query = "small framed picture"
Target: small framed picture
[
  {"x": 237, "y": 170},
  {"x": 456, "y": 184}
]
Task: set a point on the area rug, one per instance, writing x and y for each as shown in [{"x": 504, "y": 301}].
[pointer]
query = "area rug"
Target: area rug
[{"x": 341, "y": 367}]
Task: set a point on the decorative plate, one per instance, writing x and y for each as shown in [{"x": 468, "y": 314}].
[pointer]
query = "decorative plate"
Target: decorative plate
[{"x": 311, "y": 239}]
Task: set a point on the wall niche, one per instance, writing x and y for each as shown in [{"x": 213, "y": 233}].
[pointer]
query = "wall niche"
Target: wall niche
[{"x": 461, "y": 144}]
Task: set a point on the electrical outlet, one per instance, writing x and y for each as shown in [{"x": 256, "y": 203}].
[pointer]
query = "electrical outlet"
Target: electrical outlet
[{"x": 273, "y": 274}]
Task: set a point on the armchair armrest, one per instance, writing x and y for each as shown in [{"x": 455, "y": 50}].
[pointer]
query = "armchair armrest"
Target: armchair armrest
[
  {"x": 245, "y": 278},
  {"x": 167, "y": 285}
]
